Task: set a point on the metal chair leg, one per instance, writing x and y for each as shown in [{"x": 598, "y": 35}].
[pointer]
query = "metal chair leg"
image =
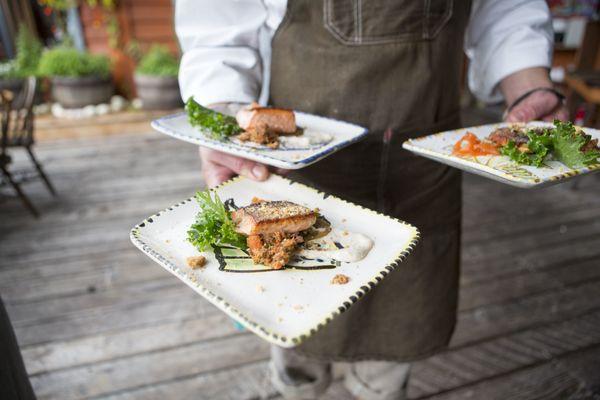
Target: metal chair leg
[
  {"x": 21, "y": 194},
  {"x": 38, "y": 166}
]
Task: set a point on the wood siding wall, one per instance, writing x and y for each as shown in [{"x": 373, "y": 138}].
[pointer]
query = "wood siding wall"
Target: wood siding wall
[{"x": 143, "y": 21}]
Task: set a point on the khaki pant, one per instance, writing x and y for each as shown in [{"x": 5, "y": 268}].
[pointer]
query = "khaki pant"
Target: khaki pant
[{"x": 298, "y": 377}]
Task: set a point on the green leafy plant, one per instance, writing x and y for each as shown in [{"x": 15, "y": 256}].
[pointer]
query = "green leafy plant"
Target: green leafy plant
[
  {"x": 8, "y": 70},
  {"x": 158, "y": 61},
  {"x": 217, "y": 125},
  {"x": 69, "y": 62},
  {"x": 29, "y": 52},
  {"x": 59, "y": 7},
  {"x": 213, "y": 224}
]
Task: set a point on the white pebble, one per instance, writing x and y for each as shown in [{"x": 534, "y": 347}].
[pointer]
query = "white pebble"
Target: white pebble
[
  {"x": 117, "y": 103},
  {"x": 136, "y": 103},
  {"x": 102, "y": 109},
  {"x": 88, "y": 111},
  {"x": 57, "y": 110}
]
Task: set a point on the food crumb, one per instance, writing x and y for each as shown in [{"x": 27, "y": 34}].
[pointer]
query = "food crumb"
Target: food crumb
[
  {"x": 343, "y": 219},
  {"x": 340, "y": 279},
  {"x": 298, "y": 307},
  {"x": 196, "y": 262},
  {"x": 279, "y": 319},
  {"x": 167, "y": 241},
  {"x": 345, "y": 233},
  {"x": 260, "y": 288}
]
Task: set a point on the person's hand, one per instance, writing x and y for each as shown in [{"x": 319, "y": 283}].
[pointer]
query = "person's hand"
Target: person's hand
[
  {"x": 217, "y": 167},
  {"x": 539, "y": 105}
]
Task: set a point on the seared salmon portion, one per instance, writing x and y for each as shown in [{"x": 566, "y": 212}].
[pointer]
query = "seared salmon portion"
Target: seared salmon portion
[
  {"x": 270, "y": 120},
  {"x": 273, "y": 216}
]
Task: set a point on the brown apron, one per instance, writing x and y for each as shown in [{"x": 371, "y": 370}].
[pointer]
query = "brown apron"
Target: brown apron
[{"x": 393, "y": 66}]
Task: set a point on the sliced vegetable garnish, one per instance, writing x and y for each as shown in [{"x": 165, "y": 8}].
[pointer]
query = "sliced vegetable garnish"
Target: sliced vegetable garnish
[{"x": 470, "y": 145}]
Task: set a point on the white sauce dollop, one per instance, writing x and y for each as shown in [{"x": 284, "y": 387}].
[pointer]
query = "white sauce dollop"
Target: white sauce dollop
[
  {"x": 354, "y": 246},
  {"x": 306, "y": 140}
]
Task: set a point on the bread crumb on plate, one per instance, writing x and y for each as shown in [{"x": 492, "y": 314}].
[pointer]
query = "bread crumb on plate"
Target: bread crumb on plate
[
  {"x": 196, "y": 262},
  {"x": 340, "y": 279}
]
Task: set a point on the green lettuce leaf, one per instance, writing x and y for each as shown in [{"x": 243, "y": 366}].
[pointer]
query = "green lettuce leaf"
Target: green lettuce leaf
[
  {"x": 218, "y": 126},
  {"x": 563, "y": 142},
  {"x": 567, "y": 143},
  {"x": 213, "y": 224},
  {"x": 539, "y": 146}
]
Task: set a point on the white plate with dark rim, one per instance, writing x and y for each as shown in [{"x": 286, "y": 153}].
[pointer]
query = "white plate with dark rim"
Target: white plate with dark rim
[
  {"x": 282, "y": 306},
  {"x": 439, "y": 146},
  {"x": 343, "y": 134}
]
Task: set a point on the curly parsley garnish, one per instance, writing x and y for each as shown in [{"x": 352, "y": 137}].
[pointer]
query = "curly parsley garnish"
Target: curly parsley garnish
[
  {"x": 213, "y": 224},
  {"x": 218, "y": 126}
]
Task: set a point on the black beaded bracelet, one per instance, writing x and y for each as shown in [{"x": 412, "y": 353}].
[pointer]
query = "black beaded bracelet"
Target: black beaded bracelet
[{"x": 561, "y": 97}]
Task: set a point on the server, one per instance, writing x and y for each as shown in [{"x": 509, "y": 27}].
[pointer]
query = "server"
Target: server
[{"x": 395, "y": 67}]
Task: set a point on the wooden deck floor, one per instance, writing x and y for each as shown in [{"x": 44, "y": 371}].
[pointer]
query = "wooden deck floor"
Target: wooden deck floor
[{"x": 97, "y": 319}]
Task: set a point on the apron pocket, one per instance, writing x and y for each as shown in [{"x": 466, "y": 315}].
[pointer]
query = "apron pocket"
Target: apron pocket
[{"x": 359, "y": 22}]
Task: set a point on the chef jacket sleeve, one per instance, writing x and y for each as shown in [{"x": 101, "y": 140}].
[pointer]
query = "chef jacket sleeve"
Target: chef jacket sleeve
[
  {"x": 221, "y": 60},
  {"x": 503, "y": 37}
]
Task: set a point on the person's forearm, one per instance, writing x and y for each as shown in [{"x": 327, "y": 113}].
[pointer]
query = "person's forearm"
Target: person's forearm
[
  {"x": 539, "y": 105},
  {"x": 514, "y": 85}
]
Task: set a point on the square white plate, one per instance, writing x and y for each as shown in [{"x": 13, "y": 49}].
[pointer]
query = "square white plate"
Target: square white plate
[
  {"x": 438, "y": 147},
  {"x": 282, "y": 306},
  {"x": 343, "y": 133}
]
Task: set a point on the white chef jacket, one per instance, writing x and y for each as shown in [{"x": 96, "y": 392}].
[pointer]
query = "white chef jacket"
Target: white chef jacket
[{"x": 226, "y": 45}]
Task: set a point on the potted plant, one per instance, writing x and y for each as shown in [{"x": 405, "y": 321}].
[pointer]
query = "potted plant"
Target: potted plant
[
  {"x": 78, "y": 78},
  {"x": 156, "y": 80},
  {"x": 14, "y": 72}
]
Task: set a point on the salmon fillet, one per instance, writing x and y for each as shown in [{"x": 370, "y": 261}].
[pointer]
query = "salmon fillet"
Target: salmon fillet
[
  {"x": 270, "y": 120},
  {"x": 268, "y": 217}
]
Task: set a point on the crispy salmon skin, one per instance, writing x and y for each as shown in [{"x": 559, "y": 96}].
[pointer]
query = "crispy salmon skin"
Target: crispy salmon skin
[{"x": 273, "y": 216}]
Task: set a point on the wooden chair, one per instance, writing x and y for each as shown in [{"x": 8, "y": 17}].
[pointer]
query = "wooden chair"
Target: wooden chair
[
  {"x": 584, "y": 81},
  {"x": 17, "y": 132}
]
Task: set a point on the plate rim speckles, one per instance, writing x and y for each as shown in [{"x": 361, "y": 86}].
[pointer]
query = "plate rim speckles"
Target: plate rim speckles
[
  {"x": 379, "y": 272},
  {"x": 417, "y": 146},
  {"x": 266, "y": 156}
]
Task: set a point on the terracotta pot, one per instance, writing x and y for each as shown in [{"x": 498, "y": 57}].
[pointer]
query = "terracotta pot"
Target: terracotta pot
[
  {"x": 78, "y": 92},
  {"x": 158, "y": 92}
]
